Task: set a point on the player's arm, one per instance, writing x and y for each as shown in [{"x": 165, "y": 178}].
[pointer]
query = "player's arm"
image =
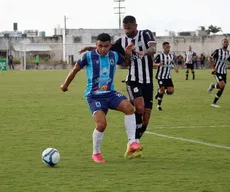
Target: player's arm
[
  {"x": 70, "y": 77},
  {"x": 125, "y": 60},
  {"x": 77, "y": 67},
  {"x": 87, "y": 48},
  {"x": 150, "y": 42},
  {"x": 157, "y": 61},
  {"x": 213, "y": 56}
]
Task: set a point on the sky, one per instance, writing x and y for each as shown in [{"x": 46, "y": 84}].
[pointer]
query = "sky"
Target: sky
[{"x": 157, "y": 15}]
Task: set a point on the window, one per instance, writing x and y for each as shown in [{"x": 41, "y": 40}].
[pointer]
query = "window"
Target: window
[
  {"x": 93, "y": 39},
  {"x": 77, "y": 39}
]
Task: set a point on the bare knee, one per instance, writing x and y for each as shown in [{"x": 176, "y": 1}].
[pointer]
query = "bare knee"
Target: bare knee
[
  {"x": 170, "y": 90},
  {"x": 101, "y": 126},
  {"x": 222, "y": 84},
  {"x": 162, "y": 90},
  {"x": 139, "y": 105},
  {"x": 129, "y": 109}
]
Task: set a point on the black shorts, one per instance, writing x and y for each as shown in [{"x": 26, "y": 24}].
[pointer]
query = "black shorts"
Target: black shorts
[
  {"x": 221, "y": 77},
  {"x": 179, "y": 62},
  {"x": 165, "y": 83},
  {"x": 190, "y": 66},
  {"x": 141, "y": 90}
]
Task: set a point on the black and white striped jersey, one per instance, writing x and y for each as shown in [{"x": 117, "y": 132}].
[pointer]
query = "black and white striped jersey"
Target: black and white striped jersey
[
  {"x": 164, "y": 71},
  {"x": 140, "y": 70},
  {"x": 220, "y": 57},
  {"x": 189, "y": 57}
]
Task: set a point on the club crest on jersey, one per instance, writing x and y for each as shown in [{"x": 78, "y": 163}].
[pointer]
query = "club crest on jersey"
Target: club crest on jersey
[
  {"x": 98, "y": 104},
  {"x": 112, "y": 62},
  {"x": 97, "y": 62}
]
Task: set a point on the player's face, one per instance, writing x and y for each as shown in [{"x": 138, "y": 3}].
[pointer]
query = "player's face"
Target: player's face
[
  {"x": 225, "y": 43},
  {"x": 130, "y": 29},
  {"x": 103, "y": 47},
  {"x": 166, "y": 48},
  {"x": 190, "y": 48}
]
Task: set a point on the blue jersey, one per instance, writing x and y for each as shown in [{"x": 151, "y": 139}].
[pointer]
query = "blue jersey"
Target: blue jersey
[{"x": 100, "y": 71}]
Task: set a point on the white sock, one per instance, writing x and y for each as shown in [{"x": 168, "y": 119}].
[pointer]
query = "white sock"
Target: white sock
[
  {"x": 130, "y": 125},
  {"x": 97, "y": 138}
]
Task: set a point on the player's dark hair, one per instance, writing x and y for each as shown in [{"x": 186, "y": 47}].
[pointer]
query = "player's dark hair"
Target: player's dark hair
[
  {"x": 165, "y": 43},
  {"x": 129, "y": 19},
  {"x": 104, "y": 37}
]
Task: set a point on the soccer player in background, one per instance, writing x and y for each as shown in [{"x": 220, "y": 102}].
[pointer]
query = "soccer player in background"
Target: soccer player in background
[
  {"x": 189, "y": 62},
  {"x": 139, "y": 81},
  {"x": 100, "y": 93},
  {"x": 164, "y": 63},
  {"x": 218, "y": 64}
]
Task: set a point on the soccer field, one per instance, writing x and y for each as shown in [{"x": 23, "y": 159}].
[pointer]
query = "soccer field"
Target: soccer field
[{"x": 186, "y": 148}]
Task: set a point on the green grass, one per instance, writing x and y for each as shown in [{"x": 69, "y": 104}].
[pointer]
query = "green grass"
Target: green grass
[{"x": 35, "y": 115}]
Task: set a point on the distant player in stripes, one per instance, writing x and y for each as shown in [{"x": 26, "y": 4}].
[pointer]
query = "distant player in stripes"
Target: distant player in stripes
[
  {"x": 164, "y": 63},
  {"x": 218, "y": 64},
  {"x": 189, "y": 62}
]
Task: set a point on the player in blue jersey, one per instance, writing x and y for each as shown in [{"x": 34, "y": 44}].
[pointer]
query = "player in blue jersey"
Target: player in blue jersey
[{"x": 100, "y": 93}]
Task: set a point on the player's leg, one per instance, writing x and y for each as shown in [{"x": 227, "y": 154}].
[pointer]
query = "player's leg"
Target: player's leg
[
  {"x": 170, "y": 87},
  {"x": 221, "y": 86},
  {"x": 98, "y": 107},
  {"x": 160, "y": 94},
  {"x": 187, "y": 71},
  {"x": 135, "y": 95},
  {"x": 193, "y": 72},
  {"x": 98, "y": 134},
  {"x": 119, "y": 102},
  {"x": 217, "y": 85},
  {"x": 148, "y": 100}
]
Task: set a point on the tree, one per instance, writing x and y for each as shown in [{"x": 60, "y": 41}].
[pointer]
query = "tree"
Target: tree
[{"x": 213, "y": 29}]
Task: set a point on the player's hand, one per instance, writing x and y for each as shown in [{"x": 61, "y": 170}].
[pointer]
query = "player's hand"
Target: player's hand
[
  {"x": 64, "y": 88},
  {"x": 161, "y": 63},
  {"x": 213, "y": 71},
  {"x": 129, "y": 49}
]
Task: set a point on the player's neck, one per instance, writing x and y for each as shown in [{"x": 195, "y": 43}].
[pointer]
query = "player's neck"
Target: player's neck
[
  {"x": 135, "y": 34},
  {"x": 224, "y": 48},
  {"x": 166, "y": 52}
]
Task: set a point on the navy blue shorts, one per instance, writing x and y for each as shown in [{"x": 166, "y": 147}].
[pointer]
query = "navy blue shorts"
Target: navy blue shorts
[{"x": 104, "y": 101}]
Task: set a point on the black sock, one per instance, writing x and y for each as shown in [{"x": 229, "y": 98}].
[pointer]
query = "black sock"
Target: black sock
[
  {"x": 139, "y": 125},
  {"x": 218, "y": 95},
  {"x": 193, "y": 75},
  {"x": 187, "y": 75},
  {"x": 143, "y": 129},
  {"x": 160, "y": 97}
]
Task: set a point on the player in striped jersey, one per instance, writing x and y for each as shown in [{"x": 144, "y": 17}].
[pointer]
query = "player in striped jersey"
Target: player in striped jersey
[
  {"x": 218, "y": 64},
  {"x": 164, "y": 63},
  {"x": 189, "y": 62}
]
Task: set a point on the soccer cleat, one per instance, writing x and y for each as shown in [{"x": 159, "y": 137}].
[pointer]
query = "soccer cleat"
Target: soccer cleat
[
  {"x": 137, "y": 154},
  {"x": 215, "y": 105},
  {"x": 210, "y": 88},
  {"x": 159, "y": 108},
  {"x": 132, "y": 150},
  {"x": 97, "y": 158}
]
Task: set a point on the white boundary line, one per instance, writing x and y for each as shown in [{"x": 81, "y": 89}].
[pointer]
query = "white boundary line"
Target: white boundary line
[
  {"x": 189, "y": 140},
  {"x": 193, "y": 127}
]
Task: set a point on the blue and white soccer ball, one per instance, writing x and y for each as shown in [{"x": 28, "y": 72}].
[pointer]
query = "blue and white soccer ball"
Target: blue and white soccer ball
[{"x": 51, "y": 156}]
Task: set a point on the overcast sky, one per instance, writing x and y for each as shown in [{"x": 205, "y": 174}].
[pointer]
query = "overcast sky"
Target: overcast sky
[{"x": 156, "y": 15}]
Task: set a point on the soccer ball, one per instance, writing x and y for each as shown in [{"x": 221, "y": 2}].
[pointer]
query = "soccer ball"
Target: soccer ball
[{"x": 51, "y": 156}]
